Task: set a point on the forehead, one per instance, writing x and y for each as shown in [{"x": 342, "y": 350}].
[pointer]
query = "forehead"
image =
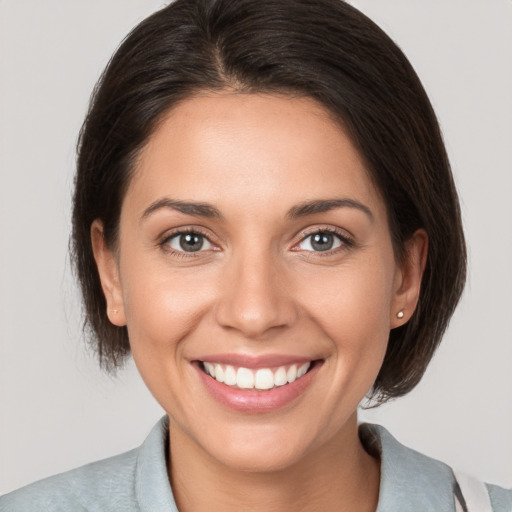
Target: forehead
[{"x": 250, "y": 150}]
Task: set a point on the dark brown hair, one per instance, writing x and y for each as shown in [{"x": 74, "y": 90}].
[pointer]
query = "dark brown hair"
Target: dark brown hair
[{"x": 323, "y": 49}]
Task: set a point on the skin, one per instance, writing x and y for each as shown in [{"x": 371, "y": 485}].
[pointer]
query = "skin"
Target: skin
[{"x": 258, "y": 287}]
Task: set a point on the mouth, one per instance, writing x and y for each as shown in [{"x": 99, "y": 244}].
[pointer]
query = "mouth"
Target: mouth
[
  {"x": 260, "y": 379},
  {"x": 257, "y": 385}
]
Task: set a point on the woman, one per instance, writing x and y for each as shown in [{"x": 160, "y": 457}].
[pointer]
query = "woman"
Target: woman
[{"x": 264, "y": 216}]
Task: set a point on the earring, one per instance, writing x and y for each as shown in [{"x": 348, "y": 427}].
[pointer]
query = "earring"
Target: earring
[
  {"x": 114, "y": 310},
  {"x": 400, "y": 314}
]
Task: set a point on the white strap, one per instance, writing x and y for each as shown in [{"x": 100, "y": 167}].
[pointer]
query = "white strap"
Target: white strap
[{"x": 474, "y": 492}]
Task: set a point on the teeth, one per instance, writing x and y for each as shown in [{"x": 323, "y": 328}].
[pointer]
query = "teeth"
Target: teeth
[
  {"x": 230, "y": 376},
  {"x": 291, "y": 375},
  {"x": 302, "y": 370},
  {"x": 244, "y": 378},
  {"x": 262, "y": 379},
  {"x": 219, "y": 373},
  {"x": 210, "y": 369},
  {"x": 280, "y": 377}
]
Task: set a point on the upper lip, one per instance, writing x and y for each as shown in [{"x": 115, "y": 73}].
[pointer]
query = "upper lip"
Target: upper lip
[{"x": 253, "y": 361}]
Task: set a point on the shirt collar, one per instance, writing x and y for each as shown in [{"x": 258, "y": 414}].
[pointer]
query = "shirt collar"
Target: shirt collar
[
  {"x": 152, "y": 486},
  {"x": 409, "y": 480}
]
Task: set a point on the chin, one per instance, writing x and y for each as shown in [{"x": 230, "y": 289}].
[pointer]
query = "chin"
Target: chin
[
  {"x": 262, "y": 449},
  {"x": 257, "y": 460}
]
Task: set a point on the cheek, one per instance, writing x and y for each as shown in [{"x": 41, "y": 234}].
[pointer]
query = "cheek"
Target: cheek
[
  {"x": 162, "y": 305},
  {"x": 163, "y": 311},
  {"x": 352, "y": 307},
  {"x": 352, "y": 302}
]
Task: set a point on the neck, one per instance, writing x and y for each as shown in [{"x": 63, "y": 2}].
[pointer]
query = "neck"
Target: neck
[{"x": 338, "y": 476}]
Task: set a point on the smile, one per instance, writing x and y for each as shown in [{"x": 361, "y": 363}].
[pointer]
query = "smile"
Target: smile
[
  {"x": 260, "y": 379},
  {"x": 256, "y": 384}
]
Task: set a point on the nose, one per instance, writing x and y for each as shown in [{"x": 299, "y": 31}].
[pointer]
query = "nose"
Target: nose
[{"x": 255, "y": 296}]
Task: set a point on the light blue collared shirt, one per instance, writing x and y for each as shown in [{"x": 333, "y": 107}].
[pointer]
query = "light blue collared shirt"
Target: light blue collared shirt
[{"x": 136, "y": 481}]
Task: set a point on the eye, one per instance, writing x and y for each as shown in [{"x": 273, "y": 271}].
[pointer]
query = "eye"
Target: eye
[
  {"x": 190, "y": 241},
  {"x": 322, "y": 241}
]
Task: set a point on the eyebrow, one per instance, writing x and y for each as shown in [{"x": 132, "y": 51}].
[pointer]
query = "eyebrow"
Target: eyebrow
[
  {"x": 301, "y": 210},
  {"x": 325, "y": 205},
  {"x": 186, "y": 207}
]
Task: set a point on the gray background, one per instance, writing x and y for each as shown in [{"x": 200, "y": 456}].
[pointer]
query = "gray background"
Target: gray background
[{"x": 57, "y": 410}]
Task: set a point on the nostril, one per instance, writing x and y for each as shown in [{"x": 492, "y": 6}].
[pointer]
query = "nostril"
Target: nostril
[{"x": 255, "y": 315}]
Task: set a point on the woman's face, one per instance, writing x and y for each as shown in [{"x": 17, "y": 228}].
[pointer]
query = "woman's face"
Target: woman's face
[{"x": 253, "y": 243}]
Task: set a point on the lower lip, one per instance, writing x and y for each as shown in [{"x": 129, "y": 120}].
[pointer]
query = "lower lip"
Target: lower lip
[{"x": 256, "y": 401}]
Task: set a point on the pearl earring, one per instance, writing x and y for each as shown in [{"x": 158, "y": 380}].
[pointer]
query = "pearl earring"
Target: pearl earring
[{"x": 400, "y": 314}]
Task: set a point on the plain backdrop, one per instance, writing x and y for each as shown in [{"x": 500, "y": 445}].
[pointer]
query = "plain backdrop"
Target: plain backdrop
[{"x": 58, "y": 411}]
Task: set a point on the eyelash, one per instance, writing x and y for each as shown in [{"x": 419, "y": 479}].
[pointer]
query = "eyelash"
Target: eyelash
[
  {"x": 182, "y": 254},
  {"x": 346, "y": 242}
]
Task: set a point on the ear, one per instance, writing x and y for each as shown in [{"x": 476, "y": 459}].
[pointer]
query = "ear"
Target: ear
[
  {"x": 408, "y": 279},
  {"x": 108, "y": 269}
]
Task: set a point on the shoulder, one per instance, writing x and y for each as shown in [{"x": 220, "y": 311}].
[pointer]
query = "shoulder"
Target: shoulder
[
  {"x": 501, "y": 498},
  {"x": 133, "y": 481},
  {"x": 111, "y": 481},
  {"x": 413, "y": 481}
]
